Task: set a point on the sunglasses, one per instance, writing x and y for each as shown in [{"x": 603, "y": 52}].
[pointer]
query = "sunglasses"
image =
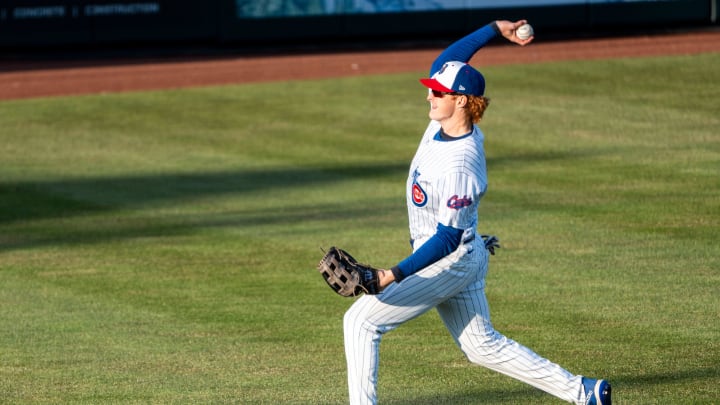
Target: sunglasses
[{"x": 441, "y": 94}]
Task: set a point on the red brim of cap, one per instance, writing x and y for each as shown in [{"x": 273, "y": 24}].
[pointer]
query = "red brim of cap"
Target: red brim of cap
[{"x": 433, "y": 84}]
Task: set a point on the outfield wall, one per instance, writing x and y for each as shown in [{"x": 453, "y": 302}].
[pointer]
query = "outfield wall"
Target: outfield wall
[{"x": 38, "y": 23}]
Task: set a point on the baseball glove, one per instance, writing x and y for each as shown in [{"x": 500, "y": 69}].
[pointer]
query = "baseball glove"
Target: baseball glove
[{"x": 346, "y": 276}]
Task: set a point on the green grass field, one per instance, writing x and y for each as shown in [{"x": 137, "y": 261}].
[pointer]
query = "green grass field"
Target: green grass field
[{"x": 160, "y": 247}]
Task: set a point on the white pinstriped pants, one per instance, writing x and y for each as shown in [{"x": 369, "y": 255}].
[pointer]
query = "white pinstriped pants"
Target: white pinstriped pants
[{"x": 455, "y": 285}]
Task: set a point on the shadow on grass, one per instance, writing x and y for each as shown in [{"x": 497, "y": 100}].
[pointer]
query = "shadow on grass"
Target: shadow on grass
[
  {"x": 21, "y": 203},
  {"x": 24, "y": 202}
]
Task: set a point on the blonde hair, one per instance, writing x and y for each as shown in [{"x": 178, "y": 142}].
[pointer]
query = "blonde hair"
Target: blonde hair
[{"x": 476, "y": 106}]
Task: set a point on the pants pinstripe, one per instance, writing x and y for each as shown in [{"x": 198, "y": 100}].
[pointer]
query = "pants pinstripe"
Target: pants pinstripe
[{"x": 455, "y": 285}]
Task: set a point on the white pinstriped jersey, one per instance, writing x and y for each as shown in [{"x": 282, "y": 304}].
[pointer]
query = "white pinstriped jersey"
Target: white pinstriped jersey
[{"x": 445, "y": 183}]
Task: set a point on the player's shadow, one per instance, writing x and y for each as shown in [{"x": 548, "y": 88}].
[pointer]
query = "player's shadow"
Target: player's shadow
[
  {"x": 42, "y": 202},
  {"x": 24, "y": 203}
]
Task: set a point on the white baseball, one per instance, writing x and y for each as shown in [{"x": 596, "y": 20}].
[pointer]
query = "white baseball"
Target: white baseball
[{"x": 524, "y": 31}]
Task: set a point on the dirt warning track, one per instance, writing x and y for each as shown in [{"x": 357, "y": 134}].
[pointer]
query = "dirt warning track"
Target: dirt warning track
[{"x": 43, "y": 79}]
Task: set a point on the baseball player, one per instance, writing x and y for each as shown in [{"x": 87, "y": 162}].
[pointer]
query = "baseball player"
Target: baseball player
[{"x": 446, "y": 271}]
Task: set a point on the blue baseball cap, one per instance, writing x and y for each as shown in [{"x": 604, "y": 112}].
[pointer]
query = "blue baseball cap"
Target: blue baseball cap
[{"x": 457, "y": 77}]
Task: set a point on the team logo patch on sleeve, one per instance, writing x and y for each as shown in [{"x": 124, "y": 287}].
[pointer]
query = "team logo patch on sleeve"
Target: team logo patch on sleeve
[{"x": 419, "y": 196}]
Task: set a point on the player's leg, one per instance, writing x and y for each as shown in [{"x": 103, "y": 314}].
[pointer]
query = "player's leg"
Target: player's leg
[
  {"x": 371, "y": 316},
  {"x": 467, "y": 317}
]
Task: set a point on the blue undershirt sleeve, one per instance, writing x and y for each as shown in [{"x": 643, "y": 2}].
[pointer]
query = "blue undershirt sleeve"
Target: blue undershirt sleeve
[
  {"x": 463, "y": 49},
  {"x": 444, "y": 242}
]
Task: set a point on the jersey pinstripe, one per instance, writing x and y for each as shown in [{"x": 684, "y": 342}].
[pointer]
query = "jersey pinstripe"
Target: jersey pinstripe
[{"x": 445, "y": 183}]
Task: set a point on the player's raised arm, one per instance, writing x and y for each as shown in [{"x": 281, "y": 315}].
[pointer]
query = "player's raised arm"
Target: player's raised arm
[{"x": 463, "y": 49}]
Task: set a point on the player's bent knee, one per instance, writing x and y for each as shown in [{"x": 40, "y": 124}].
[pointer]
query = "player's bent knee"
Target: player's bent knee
[{"x": 478, "y": 348}]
